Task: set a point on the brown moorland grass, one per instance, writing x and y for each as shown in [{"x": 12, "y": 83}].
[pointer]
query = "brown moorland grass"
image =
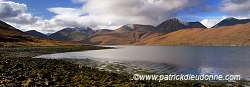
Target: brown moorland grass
[
  {"x": 228, "y": 35},
  {"x": 124, "y": 38}
]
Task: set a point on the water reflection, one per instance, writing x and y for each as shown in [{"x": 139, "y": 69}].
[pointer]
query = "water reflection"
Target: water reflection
[{"x": 173, "y": 59}]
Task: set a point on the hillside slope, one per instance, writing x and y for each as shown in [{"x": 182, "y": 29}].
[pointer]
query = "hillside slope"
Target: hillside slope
[{"x": 227, "y": 35}]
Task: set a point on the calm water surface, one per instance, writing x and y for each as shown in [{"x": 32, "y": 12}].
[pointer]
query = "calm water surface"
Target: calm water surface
[{"x": 172, "y": 59}]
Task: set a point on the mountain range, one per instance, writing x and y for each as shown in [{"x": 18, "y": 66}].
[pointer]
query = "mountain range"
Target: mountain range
[
  {"x": 36, "y": 33},
  {"x": 127, "y": 34},
  {"x": 236, "y": 35},
  {"x": 72, "y": 34},
  {"x": 174, "y": 31},
  {"x": 231, "y": 21},
  {"x": 10, "y": 36}
]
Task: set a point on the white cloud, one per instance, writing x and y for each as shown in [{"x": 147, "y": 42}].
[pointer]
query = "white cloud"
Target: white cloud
[
  {"x": 112, "y": 14},
  {"x": 47, "y": 25},
  {"x": 14, "y": 13},
  {"x": 235, "y": 5},
  {"x": 22, "y": 19},
  {"x": 78, "y": 1},
  {"x": 103, "y": 14},
  {"x": 239, "y": 8},
  {"x": 66, "y": 17},
  {"x": 135, "y": 11},
  {"x": 210, "y": 22},
  {"x": 11, "y": 9},
  {"x": 62, "y": 11}
]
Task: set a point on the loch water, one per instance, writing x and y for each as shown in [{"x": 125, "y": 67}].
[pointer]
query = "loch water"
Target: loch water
[{"x": 225, "y": 60}]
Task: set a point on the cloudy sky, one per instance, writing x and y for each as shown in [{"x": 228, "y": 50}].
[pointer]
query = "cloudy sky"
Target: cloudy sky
[{"x": 48, "y": 16}]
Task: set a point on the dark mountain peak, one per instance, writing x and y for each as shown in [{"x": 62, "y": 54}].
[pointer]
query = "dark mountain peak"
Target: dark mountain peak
[
  {"x": 171, "y": 25},
  {"x": 230, "y": 18},
  {"x": 179, "y": 20},
  {"x": 196, "y": 25},
  {"x": 72, "y": 34},
  {"x": 36, "y": 33},
  {"x": 231, "y": 21},
  {"x": 174, "y": 18},
  {"x": 175, "y": 24},
  {"x": 33, "y": 31},
  {"x": 84, "y": 29}
]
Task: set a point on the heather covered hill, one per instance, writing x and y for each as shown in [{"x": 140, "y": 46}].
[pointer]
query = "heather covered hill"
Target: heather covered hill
[
  {"x": 125, "y": 35},
  {"x": 228, "y": 35},
  {"x": 10, "y": 36},
  {"x": 6, "y": 29}
]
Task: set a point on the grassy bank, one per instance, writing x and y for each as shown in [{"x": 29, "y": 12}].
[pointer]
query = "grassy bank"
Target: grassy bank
[
  {"x": 26, "y": 51},
  {"x": 18, "y": 68}
]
